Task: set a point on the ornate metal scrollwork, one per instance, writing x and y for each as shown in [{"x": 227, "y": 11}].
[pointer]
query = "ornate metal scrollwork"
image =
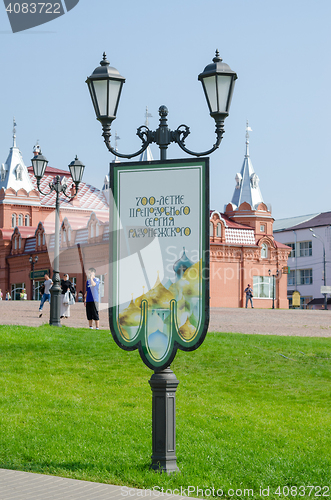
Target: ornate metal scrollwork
[{"x": 163, "y": 136}]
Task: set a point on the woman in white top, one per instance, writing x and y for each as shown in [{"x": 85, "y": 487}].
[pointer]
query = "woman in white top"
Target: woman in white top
[{"x": 65, "y": 285}]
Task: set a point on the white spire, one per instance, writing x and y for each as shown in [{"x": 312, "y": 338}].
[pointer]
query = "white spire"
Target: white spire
[
  {"x": 14, "y": 173},
  {"x": 147, "y": 115},
  {"x": 248, "y": 129},
  {"x": 147, "y": 154},
  {"x": 117, "y": 138},
  {"x": 247, "y": 187},
  {"x": 14, "y": 132}
]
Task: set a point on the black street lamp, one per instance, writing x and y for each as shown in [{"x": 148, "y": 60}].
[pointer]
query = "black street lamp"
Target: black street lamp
[
  {"x": 274, "y": 276},
  {"x": 105, "y": 86},
  {"x": 59, "y": 185},
  {"x": 324, "y": 266},
  {"x": 33, "y": 261}
]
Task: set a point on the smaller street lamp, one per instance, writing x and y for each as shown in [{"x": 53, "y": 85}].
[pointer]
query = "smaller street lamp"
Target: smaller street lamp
[
  {"x": 59, "y": 185},
  {"x": 33, "y": 261},
  {"x": 274, "y": 276},
  {"x": 324, "y": 264}
]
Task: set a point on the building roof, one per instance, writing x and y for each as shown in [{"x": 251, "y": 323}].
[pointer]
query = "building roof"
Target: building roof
[
  {"x": 303, "y": 222},
  {"x": 235, "y": 225},
  {"x": 247, "y": 188},
  {"x": 292, "y": 222},
  {"x": 281, "y": 245},
  {"x": 236, "y": 233},
  {"x": 322, "y": 219}
]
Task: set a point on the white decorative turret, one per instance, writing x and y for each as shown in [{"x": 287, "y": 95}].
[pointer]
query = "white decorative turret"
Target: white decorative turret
[
  {"x": 147, "y": 154},
  {"x": 106, "y": 187},
  {"x": 247, "y": 182},
  {"x": 13, "y": 173}
]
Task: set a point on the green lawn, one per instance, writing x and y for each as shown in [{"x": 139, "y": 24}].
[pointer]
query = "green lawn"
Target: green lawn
[{"x": 75, "y": 405}]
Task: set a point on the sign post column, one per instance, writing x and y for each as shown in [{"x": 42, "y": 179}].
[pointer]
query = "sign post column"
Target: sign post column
[{"x": 164, "y": 385}]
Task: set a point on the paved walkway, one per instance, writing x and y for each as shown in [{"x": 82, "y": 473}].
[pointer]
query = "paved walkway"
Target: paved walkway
[
  {"x": 303, "y": 323},
  {"x": 15, "y": 485}
]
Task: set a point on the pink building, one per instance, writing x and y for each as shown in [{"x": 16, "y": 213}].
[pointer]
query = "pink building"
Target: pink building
[{"x": 243, "y": 249}]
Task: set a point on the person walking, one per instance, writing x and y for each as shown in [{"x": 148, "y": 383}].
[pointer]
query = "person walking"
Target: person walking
[
  {"x": 45, "y": 293},
  {"x": 249, "y": 295},
  {"x": 66, "y": 285},
  {"x": 91, "y": 298}
]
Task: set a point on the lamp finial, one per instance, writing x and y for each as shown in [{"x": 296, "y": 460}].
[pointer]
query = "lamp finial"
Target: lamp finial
[
  {"x": 104, "y": 61},
  {"x": 217, "y": 57}
]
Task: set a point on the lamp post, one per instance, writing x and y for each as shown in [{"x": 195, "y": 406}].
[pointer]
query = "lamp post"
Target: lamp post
[
  {"x": 324, "y": 266},
  {"x": 105, "y": 86},
  {"x": 32, "y": 262},
  {"x": 59, "y": 185},
  {"x": 274, "y": 276}
]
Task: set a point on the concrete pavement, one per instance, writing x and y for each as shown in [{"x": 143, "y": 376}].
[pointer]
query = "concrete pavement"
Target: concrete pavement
[
  {"x": 16, "y": 485},
  {"x": 303, "y": 323}
]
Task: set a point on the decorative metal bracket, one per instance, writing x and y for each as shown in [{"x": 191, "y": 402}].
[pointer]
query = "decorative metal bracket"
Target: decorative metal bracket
[
  {"x": 58, "y": 187},
  {"x": 163, "y": 136}
]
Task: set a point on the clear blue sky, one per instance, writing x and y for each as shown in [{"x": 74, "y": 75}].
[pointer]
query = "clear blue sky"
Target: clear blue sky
[{"x": 280, "y": 51}]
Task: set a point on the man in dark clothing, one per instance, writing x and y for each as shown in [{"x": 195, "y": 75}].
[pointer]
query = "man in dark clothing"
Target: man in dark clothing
[
  {"x": 91, "y": 298},
  {"x": 249, "y": 296}
]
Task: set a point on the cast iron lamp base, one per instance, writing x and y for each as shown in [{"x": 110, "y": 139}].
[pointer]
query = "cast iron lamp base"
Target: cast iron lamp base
[
  {"x": 56, "y": 297},
  {"x": 164, "y": 385}
]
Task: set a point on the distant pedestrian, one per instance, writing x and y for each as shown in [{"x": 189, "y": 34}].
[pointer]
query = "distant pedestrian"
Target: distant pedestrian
[
  {"x": 249, "y": 295},
  {"x": 8, "y": 296},
  {"x": 46, "y": 296},
  {"x": 65, "y": 286},
  {"x": 23, "y": 295},
  {"x": 91, "y": 298},
  {"x": 0, "y": 294}
]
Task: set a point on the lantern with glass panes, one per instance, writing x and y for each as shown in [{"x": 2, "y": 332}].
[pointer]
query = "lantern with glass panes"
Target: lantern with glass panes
[{"x": 105, "y": 86}]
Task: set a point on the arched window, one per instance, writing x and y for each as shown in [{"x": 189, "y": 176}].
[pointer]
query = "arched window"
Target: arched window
[
  {"x": 92, "y": 230},
  {"x": 19, "y": 242},
  {"x": 27, "y": 220},
  {"x": 264, "y": 251},
  {"x": 20, "y": 220},
  {"x": 39, "y": 239},
  {"x": 211, "y": 229},
  {"x": 19, "y": 173},
  {"x": 219, "y": 230},
  {"x": 13, "y": 220},
  {"x": 97, "y": 230},
  {"x": 69, "y": 234},
  {"x": 15, "y": 244},
  {"x": 44, "y": 239},
  {"x": 3, "y": 172}
]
